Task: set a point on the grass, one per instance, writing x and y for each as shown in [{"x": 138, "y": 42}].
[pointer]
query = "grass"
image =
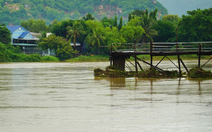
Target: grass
[
  {"x": 92, "y": 58},
  {"x": 113, "y": 72},
  {"x": 199, "y": 73}
]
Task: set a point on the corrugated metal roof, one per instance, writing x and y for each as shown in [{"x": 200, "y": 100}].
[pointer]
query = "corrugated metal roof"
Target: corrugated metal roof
[
  {"x": 23, "y": 34},
  {"x": 12, "y": 28}
]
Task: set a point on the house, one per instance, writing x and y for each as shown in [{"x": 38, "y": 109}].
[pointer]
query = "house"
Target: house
[
  {"x": 24, "y": 39},
  {"x": 80, "y": 47}
]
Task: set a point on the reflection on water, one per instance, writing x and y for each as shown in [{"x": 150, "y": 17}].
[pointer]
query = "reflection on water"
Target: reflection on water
[
  {"x": 193, "y": 86},
  {"x": 67, "y": 97}
]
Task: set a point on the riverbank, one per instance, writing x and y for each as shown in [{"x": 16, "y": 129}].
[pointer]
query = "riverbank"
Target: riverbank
[
  {"x": 104, "y": 58},
  {"x": 91, "y": 58}
]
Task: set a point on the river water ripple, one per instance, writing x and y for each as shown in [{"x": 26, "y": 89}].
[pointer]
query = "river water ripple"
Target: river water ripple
[{"x": 66, "y": 97}]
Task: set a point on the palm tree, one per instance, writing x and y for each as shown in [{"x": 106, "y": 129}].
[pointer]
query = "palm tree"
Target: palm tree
[
  {"x": 147, "y": 22},
  {"x": 95, "y": 38},
  {"x": 75, "y": 31}
]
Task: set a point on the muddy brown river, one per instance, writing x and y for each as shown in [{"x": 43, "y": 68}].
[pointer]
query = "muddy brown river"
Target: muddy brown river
[{"x": 66, "y": 97}]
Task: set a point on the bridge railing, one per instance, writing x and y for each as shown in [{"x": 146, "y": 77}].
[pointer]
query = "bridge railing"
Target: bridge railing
[{"x": 162, "y": 47}]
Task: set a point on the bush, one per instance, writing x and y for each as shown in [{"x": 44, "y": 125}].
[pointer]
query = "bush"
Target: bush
[
  {"x": 199, "y": 73},
  {"x": 50, "y": 59}
]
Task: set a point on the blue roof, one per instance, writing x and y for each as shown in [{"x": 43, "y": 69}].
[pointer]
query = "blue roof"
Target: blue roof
[
  {"x": 23, "y": 34},
  {"x": 12, "y": 28}
]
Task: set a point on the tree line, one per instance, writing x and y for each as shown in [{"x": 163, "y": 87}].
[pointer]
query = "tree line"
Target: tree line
[{"x": 142, "y": 26}]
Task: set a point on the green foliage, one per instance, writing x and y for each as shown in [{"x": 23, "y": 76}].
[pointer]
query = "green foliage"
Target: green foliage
[
  {"x": 196, "y": 26},
  {"x": 9, "y": 53},
  {"x": 152, "y": 73},
  {"x": 88, "y": 16},
  {"x": 50, "y": 59},
  {"x": 166, "y": 31},
  {"x": 4, "y": 54},
  {"x": 148, "y": 20},
  {"x": 120, "y": 23},
  {"x": 171, "y": 18},
  {"x": 60, "y": 29},
  {"x": 107, "y": 22},
  {"x": 59, "y": 45},
  {"x": 5, "y": 35},
  {"x": 96, "y": 37},
  {"x": 75, "y": 31},
  {"x": 112, "y": 73},
  {"x": 95, "y": 58},
  {"x": 199, "y": 73},
  {"x": 131, "y": 33},
  {"x": 115, "y": 23},
  {"x": 33, "y": 25}
]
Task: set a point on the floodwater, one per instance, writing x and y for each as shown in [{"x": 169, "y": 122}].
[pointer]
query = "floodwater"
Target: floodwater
[{"x": 66, "y": 97}]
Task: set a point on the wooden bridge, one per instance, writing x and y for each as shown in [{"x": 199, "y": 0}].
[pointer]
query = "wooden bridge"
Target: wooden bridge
[{"x": 121, "y": 52}]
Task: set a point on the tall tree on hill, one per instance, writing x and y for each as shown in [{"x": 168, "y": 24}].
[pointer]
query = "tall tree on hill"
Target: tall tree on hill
[
  {"x": 88, "y": 16},
  {"x": 115, "y": 23},
  {"x": 75, "y": 31},
  {"x": 120, "y": 23},
  {"x": 129, "y": 17}
]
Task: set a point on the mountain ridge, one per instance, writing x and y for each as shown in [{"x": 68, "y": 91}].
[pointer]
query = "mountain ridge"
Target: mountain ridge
[{"x": 13, "y": 11}]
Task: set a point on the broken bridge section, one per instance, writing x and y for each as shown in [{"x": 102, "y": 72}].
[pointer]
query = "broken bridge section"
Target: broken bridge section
[{"x": 121, "y": 53}]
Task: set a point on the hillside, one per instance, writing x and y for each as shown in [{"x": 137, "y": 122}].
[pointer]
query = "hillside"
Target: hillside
[
  {"x": 13, "y": 11},
  {"x": 180, "y": 7}
]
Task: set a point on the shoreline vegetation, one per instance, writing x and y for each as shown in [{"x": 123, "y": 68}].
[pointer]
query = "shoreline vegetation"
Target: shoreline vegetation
[
  {"x": 104, "y": 58},
  {"x": 113, "y": 72},
  {"x": 88, "y": 58}
]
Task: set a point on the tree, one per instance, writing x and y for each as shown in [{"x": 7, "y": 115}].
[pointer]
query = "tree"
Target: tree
[
  {"x": 129, "y": 17},
  {"x": 88, "y": 16},
  {"x": 60, "y": 29},
  {"x": 196, "y": 26},
  {"x": 96, "y": 36},
  {"x": 131, "y": 33},
  {"x": 147, "y": 22},
  {"x": 172, "y": 18},
  {"x": 35, "y": 25},
  {"x": 166, "y": 31},
  {"x": 107, "y": 22},
  {"x": 120, "y": 23},
  {"x": 4, "y": 54},
  {"x": 59, "y": 45},
  {"x": 112, "y": 35},
  {"x": 75, "y": 31},
  {"x": 115, "y": 23},
  {"x": 5, "y": 35}
]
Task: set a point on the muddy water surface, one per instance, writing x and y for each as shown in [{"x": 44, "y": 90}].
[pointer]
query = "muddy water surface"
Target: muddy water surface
[{"x": 66, "y": 97}]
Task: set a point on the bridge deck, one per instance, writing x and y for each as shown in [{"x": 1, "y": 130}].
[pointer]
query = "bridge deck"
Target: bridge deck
[
  {"x": 121, "y": 51},
  {"x": 159, "y": 53}
]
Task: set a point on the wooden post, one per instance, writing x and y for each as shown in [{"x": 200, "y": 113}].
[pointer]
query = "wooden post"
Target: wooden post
[
  {"x": 134, "y": 47},
  {"x": 111, "y": 54},
  {"x": 136, "y": 66},
  {"x": 151, "y": 55},
  {"x": 178, "y": 56},
  {"x": 199, "y": 56},
  {"x": 119, "y": 62}
]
